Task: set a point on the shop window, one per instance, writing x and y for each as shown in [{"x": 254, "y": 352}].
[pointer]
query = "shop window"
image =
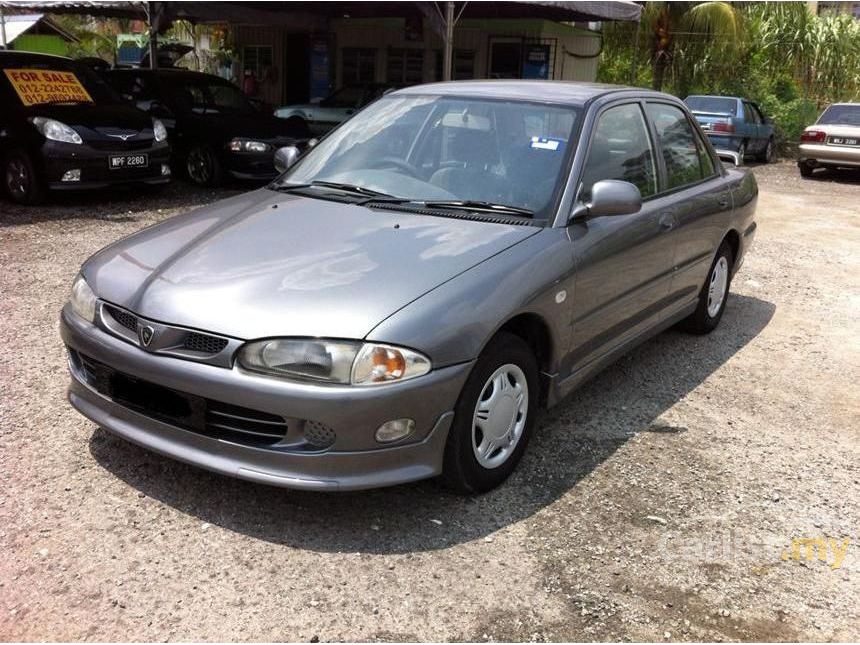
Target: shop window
[
  {"x": 463, "y": 68},
  {"x": 359, "y": 65},
  {"x": 258, "y": 59},
  {"x": 405, "y": 66}
]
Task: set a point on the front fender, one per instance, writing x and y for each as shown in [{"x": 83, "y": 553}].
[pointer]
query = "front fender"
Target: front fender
[{"x": 453, "y": 322}]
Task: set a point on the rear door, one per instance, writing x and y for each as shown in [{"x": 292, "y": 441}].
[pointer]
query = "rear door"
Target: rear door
[
  {"x": 623, "y": 263},
  {"x": 753, "y": 128},
  {"x": 696, "y": 196}
]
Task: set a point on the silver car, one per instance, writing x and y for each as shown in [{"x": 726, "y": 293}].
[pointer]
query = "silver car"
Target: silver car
[
  {"x": 833, "y": 142},
  {"x": 405, "y": 298}
]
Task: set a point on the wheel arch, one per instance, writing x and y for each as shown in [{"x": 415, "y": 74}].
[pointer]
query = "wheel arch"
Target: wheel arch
[
  {"x": 534, "y": 330},
  {"x": 734, "y": 240}
]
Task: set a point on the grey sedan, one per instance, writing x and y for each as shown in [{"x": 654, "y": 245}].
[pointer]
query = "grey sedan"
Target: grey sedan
[{"x": 404, "y": 299}]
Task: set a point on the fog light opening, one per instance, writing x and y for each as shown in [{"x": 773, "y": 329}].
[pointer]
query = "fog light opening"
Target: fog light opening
[
  {"x": 165, "y": 170},
  {"x": 72, "y": 175},
  {"x": 395, "y": 430}
]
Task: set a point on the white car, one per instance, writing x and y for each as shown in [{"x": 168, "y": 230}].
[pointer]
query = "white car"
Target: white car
[
  {"x": 834, "y": 140},
  {"x": 336, "y": 108}
]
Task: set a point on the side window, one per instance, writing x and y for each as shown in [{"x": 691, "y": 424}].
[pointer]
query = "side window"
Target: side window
[
  {"x": 621, "y": 149},
  {"x": 705, "y": 160},
  {"x": 748, "y": 113},
  {"x": 677, "y": 143},
  {"x": 759, "y": 118}
]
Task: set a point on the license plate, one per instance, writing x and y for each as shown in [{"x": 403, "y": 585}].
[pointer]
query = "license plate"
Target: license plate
[
  {"x": 845, "y": 141},
  {"x": 116, "y": 162}
]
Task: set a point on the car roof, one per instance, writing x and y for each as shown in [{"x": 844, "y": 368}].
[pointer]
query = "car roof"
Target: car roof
[
  {"x": 168, "y": 71},
  {"x": 715, "y": 96},
  {"x": 572, "y": 92},
  {"x": 8, "y": 56}
]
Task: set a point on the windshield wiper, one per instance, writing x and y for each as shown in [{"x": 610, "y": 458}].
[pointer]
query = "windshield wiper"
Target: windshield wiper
[
  {"x": 478, "y": 205},
  {"x": 370, "y": 194}
]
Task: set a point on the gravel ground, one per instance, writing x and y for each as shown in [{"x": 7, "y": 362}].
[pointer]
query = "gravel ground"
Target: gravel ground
[{"x": 659, "y": 502}]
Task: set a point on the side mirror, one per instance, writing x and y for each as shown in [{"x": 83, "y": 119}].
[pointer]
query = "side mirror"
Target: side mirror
[
  {"x": 610, "y": 197},
  {"x": 285, "y": 157},
  {"x": 731, "y": 156}
]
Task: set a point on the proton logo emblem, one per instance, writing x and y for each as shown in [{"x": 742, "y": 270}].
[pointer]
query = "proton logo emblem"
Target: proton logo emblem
[
  {"x": 124, "y": 137},
  {"x": 145, "y": 333}
]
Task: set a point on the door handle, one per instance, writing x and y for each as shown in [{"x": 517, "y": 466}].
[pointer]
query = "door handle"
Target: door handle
[
  {"x": 667, "y": 222},
  {"x": 724, "y": 202}
]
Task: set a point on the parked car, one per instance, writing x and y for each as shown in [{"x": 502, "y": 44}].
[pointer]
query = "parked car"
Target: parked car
[
  {"x": 63, "y": 128},
  {"x": 834, "y": 140},
  {"x": 214, "y": 129},
  {"x": 735, "y": 124},
  {"x": 335, "y": 109},
  {"x": 401, "y": 302}
]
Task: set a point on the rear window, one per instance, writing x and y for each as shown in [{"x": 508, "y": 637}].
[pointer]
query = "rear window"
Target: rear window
[
  {"x": 712, "y": 104},
  {"x": 49, "y": 81},
  {"x": 841, "y": 115}
]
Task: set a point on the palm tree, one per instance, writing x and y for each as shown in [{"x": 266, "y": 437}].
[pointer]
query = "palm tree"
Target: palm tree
[{"x": 713, "y": 24}]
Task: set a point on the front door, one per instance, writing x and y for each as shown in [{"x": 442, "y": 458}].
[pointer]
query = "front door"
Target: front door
[{"x": 623, "y": 263}]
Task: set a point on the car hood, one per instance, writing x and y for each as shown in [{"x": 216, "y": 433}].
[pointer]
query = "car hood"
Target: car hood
[
  {"x": 88, "y": 116},
  {"x": 266, "y": 264}
]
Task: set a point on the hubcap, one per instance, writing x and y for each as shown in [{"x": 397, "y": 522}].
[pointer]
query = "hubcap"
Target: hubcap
[
  {"x": 17, "y": 178},
  {"x": 717, "y": 286},
  {"x": 500, "y": 416}
]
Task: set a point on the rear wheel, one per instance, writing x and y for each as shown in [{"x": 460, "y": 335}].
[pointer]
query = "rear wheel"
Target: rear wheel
[
  {"x": 714, "y": 294},
  {"x": 493, "y": 418},
  {"x": 806, "y": 170},
  {"x": 203, "y": 166},
  {"x": 21, "y": 179},
  {"x": 742, "y": 151}
]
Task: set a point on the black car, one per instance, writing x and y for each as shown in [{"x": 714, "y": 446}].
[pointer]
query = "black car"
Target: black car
[
  {"x": 214, "y": 129},
  {"x": 62, "y": 127}
]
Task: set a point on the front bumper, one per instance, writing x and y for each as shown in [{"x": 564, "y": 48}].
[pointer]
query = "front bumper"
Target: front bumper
[
  {"x": 93, "y": 166},
  {"x": 822, "y": 154},
  {"x": 354, "y": 461}
]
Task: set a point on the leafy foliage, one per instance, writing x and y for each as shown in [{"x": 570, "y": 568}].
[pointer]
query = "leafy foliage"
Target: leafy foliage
[{"x": 781, "y": 55}]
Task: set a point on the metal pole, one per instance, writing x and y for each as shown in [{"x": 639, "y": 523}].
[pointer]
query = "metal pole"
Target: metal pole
[
  {"x": 447, "y": 59},
  {"x": 2, "y": 29},
  {"x": 154, "y": 21}
]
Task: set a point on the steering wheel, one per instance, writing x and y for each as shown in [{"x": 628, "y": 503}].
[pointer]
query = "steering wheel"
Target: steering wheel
[{"x": 388, "y": 162}]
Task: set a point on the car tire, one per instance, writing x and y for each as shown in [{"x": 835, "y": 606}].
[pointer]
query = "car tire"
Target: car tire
[
  {"x": 742, "y": 151},
  {"x": 494, "y": 417},
  {"x": 806, "y": 170},
  {"x": 21, "y": 179},
  {"x": 768, "y": 155},
  {"x": 714, "y": 294},
  {"x": 202, "y": 166}
]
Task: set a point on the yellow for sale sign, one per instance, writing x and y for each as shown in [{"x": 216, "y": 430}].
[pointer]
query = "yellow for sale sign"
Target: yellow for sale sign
[{"x": 36, "y": 86}]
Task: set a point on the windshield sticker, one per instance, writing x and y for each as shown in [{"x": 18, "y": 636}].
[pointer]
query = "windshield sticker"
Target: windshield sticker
[
  {"x": 547, "y": 143},
  {"x": 35, "y": 86}
]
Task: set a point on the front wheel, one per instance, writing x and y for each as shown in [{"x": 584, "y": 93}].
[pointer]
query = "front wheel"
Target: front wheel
[
  {"x": 493, "y": 418},
  {"x": 714, "y": 294},
  {"x": 202, "y": 166},
  {"x": 22, "y": 180}
]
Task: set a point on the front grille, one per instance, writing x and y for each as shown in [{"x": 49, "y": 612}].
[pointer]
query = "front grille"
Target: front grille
[
  {"x": 124, "y": 318},
  {"x": 118, "y": 145},
  {"x": 195, "y": 342},
  {"x": 204, "y": 416}
]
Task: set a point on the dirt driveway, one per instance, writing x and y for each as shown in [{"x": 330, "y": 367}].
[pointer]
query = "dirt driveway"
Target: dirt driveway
[{"x": 660, "y": 502}]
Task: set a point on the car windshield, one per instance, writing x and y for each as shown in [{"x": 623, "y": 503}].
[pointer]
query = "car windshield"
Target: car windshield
[
  {"x": 841, "y": 115},
  {"x": 205, "y": 96},
  {"x": 350, "y": 96},
  {"x": 56, "y": 81},
  {"x": 431, "y": 148},
  {"x": 712, "y": 104}
]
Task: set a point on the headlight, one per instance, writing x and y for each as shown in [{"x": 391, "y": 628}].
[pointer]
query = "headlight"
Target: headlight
[
  {"x": 83, "y": 300},
  {"x": 333, "y": 361},
  {"x": 159, "y": 130},
  {"x": 249, "y": 145},
  {"x": 56, "y": 131}
]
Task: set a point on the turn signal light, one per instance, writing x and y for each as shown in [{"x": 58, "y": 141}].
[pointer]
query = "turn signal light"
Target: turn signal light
[{"x": 813, "y": 136}]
